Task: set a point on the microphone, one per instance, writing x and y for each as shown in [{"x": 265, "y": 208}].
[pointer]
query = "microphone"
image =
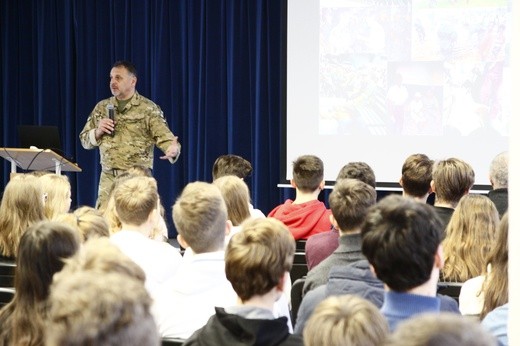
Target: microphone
[{"x": 111, "y": 115}]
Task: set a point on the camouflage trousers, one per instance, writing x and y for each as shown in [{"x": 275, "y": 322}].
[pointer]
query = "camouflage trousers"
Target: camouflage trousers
[{"x": 106, "y": 181}]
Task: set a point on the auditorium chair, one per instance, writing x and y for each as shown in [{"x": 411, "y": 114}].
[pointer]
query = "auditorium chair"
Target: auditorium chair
[
  {"x": 172, "y": 341},
  {"x": 7, "y": 270},
  {"x": 299, "y": 267},
  {"x": 296, "y": 297},
  {"x": 450, "y": 289},
  {"x": 6, "y": 295}
]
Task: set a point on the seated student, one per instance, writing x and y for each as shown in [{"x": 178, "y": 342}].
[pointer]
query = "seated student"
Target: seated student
[
  {"x": 136, "y": 202},
  {"x": 499, "y": 179},
  {"x": 57, "y": 189},
  {"x": 345, "y": 320},
  {"x": 402, "y": 241},
  {"x": 258, "y": 260},
  {"x": 306, "y": 215},
  {"x": 442, "y": 329},
  {"x": 481, "y": 294},
  {"x": 186, "y": 302},
  {"x": 321, "y": 245},
  {"x": 451, "y": 179},
  {"x": 238, "y": 166},
  {"x": 349, "y": 202},
  {"x": 496, "y": 322},
  {"x": 88, "y": 221},
  {"x": 22, "y": 206},
  {"x": 416, "y": 177},
  {"x": 43, "y": 247},
  {"x": 469, "y": 237},
  {"x": 88, "y": 309}
]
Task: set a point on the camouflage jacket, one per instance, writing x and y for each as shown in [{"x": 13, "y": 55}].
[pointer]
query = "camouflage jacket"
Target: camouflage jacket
[{"x": 139, "y": 127}]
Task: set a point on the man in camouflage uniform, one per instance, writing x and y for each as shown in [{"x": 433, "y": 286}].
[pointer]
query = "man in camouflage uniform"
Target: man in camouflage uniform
[{"x": 129, "y": 139}]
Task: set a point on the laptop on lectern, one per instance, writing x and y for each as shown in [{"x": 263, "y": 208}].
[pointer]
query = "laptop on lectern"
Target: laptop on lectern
[{"x": 42, "y": 137}]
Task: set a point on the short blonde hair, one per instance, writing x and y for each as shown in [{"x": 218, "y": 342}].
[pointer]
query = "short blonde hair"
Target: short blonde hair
[
  {"x": 453, "y": 178},
  {"x": 469, "y": 237},
  {"x": 200, "y": 216},
  {"x": 345, "y": 320},
  {"x": 259, "y": 256},
  {"x": 57, "y": 189},
  {"x": 135, "y": 199},
  {"x": 87, "y": 221},
  {"x": 236, "y": 196}
]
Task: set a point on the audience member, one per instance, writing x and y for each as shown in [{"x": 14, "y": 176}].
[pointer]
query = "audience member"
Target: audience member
[
  {"x": 451, "y": 179},
  {"x": 258, "y": 261},
  {"x": 22, "y": 206},
  {"x": 236, "y": 196},
  {"x": 349, "y": 202},
  {"x": 499, "y": 178},
  {"x": 416, "y": 177},
  {"x": 321, "y": 245},
  {"x": 306, "y": 215},
  {"x": 402, "y": 241},
  {"x": 87, "y": 221},
  {"x": 469, "y": 236},
  {"x": 237, "y": 166},
  {"x": 43, "y": 247},
  {"x": 57, "y": 189},
  {"x": 496, "y": 322},
  {"x": 88, "y": 309},
  {"x": 137, "y": 204},
  {"x": 188, "y": 300},
  {"x": 345, "y": 320},
  {"x": 440, "y": 330}
]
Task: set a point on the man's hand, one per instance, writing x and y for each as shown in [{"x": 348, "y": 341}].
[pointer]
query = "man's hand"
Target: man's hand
[
  {"x": 172, "y": 152},
  {"x": 105, "y": 125}
]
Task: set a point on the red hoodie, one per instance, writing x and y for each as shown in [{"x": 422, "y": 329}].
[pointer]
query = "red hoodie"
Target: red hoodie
[{"x": 303, "y": 220}]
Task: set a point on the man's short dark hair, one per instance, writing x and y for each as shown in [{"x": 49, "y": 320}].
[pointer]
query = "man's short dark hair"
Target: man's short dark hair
[
  {"x": 308, "y": 173},
  {"x": 349, "y": 202},
  {"x": 231, "y": 165},
  {"x": 400, "y": 239},
  {"x": 358, "y": 170},
  {"x": 126, "y": 64},
  {"x": 417, "y": 175}
]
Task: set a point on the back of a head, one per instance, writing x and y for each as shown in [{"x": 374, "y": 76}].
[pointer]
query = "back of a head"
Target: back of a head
[
  {"x": 135, "y": 199},
  {"x": 88, "y": 309},
  {"x": 231, "y": 165},
  {"x": 200, "y": 216},
  {"x": 416, "y": 175},
  {"x": 345, "y": 320},
  {"x": 43, "y": 248},
  {"x": 444, "y": 329},
  {"x": 236, "y": 195},
  {"x": 469, "y": 236},
  {"x": 453, "y": 178},
  {"x": 258, "y": 257},
  {"x": 87, "y": 221},
  {"x": 400, "y": 238},
  {"x": 499, "y": 171},
  {"x": 358, "y": 170},
  {"x": 100, "y": 256},
  {"x": 21, "y": 206},
  {"x": 349, "y": 202},
  {"x": 308, "y": 173},
  {"x": 57, "y": 192}
]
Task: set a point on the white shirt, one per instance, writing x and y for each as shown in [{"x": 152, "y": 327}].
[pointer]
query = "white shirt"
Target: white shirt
[
  {"x": 471, "y": 299},
  {"x": 158, "y": 260}
]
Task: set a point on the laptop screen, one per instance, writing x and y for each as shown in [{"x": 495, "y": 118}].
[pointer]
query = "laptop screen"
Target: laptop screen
[{"x": 42, "y": 137}]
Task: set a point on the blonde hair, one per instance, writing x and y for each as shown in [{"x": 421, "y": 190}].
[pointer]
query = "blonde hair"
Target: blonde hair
[
  {"x": 200, "y": 216},
  {"x": 345, "y": 320},
  {"x": 236, "y": 196},
  {"x": 21, "y": 207},
  {"x": 87, "y": 221},
  {"x": 496, "y": 283},
  {"x": 452, "y": 178},
  {"x": 469, "y": 236},
  {"x": 57, "y": 189},
  {"x": 135, "y": 199},
  {"x": 258, "y": 257}
]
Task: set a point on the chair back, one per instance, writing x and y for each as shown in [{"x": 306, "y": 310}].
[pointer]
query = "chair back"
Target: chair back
[
  {"x": 7, "y": 270},
  {"x": 6, "y": 295},
  {"x": 450, "y": 289},
  {"x": 296, "y": 297}
]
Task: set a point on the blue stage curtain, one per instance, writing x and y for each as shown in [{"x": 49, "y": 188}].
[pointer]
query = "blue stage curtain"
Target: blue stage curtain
[{"x": 217, "y": 68}]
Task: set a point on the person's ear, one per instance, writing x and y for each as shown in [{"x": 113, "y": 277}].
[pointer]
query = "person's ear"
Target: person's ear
[
  {"x": 293, "y": 184},
  {"x": 401, "y": 182},
  {"x": 182, "y": 242},
  {"x": 439, "y": 257},
  {"x": 282, "y": 281},
  {"x": 373, "y": 271},
  {"x": 229, "y": 225},
  {"x": 322, "y": 185},
  {"x": 333, "y": 221},
  {"x": 432, "y": 185}
]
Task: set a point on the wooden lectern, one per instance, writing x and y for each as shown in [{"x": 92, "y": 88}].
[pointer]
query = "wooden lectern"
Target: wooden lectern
[{"x": 37, "y": 160}]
